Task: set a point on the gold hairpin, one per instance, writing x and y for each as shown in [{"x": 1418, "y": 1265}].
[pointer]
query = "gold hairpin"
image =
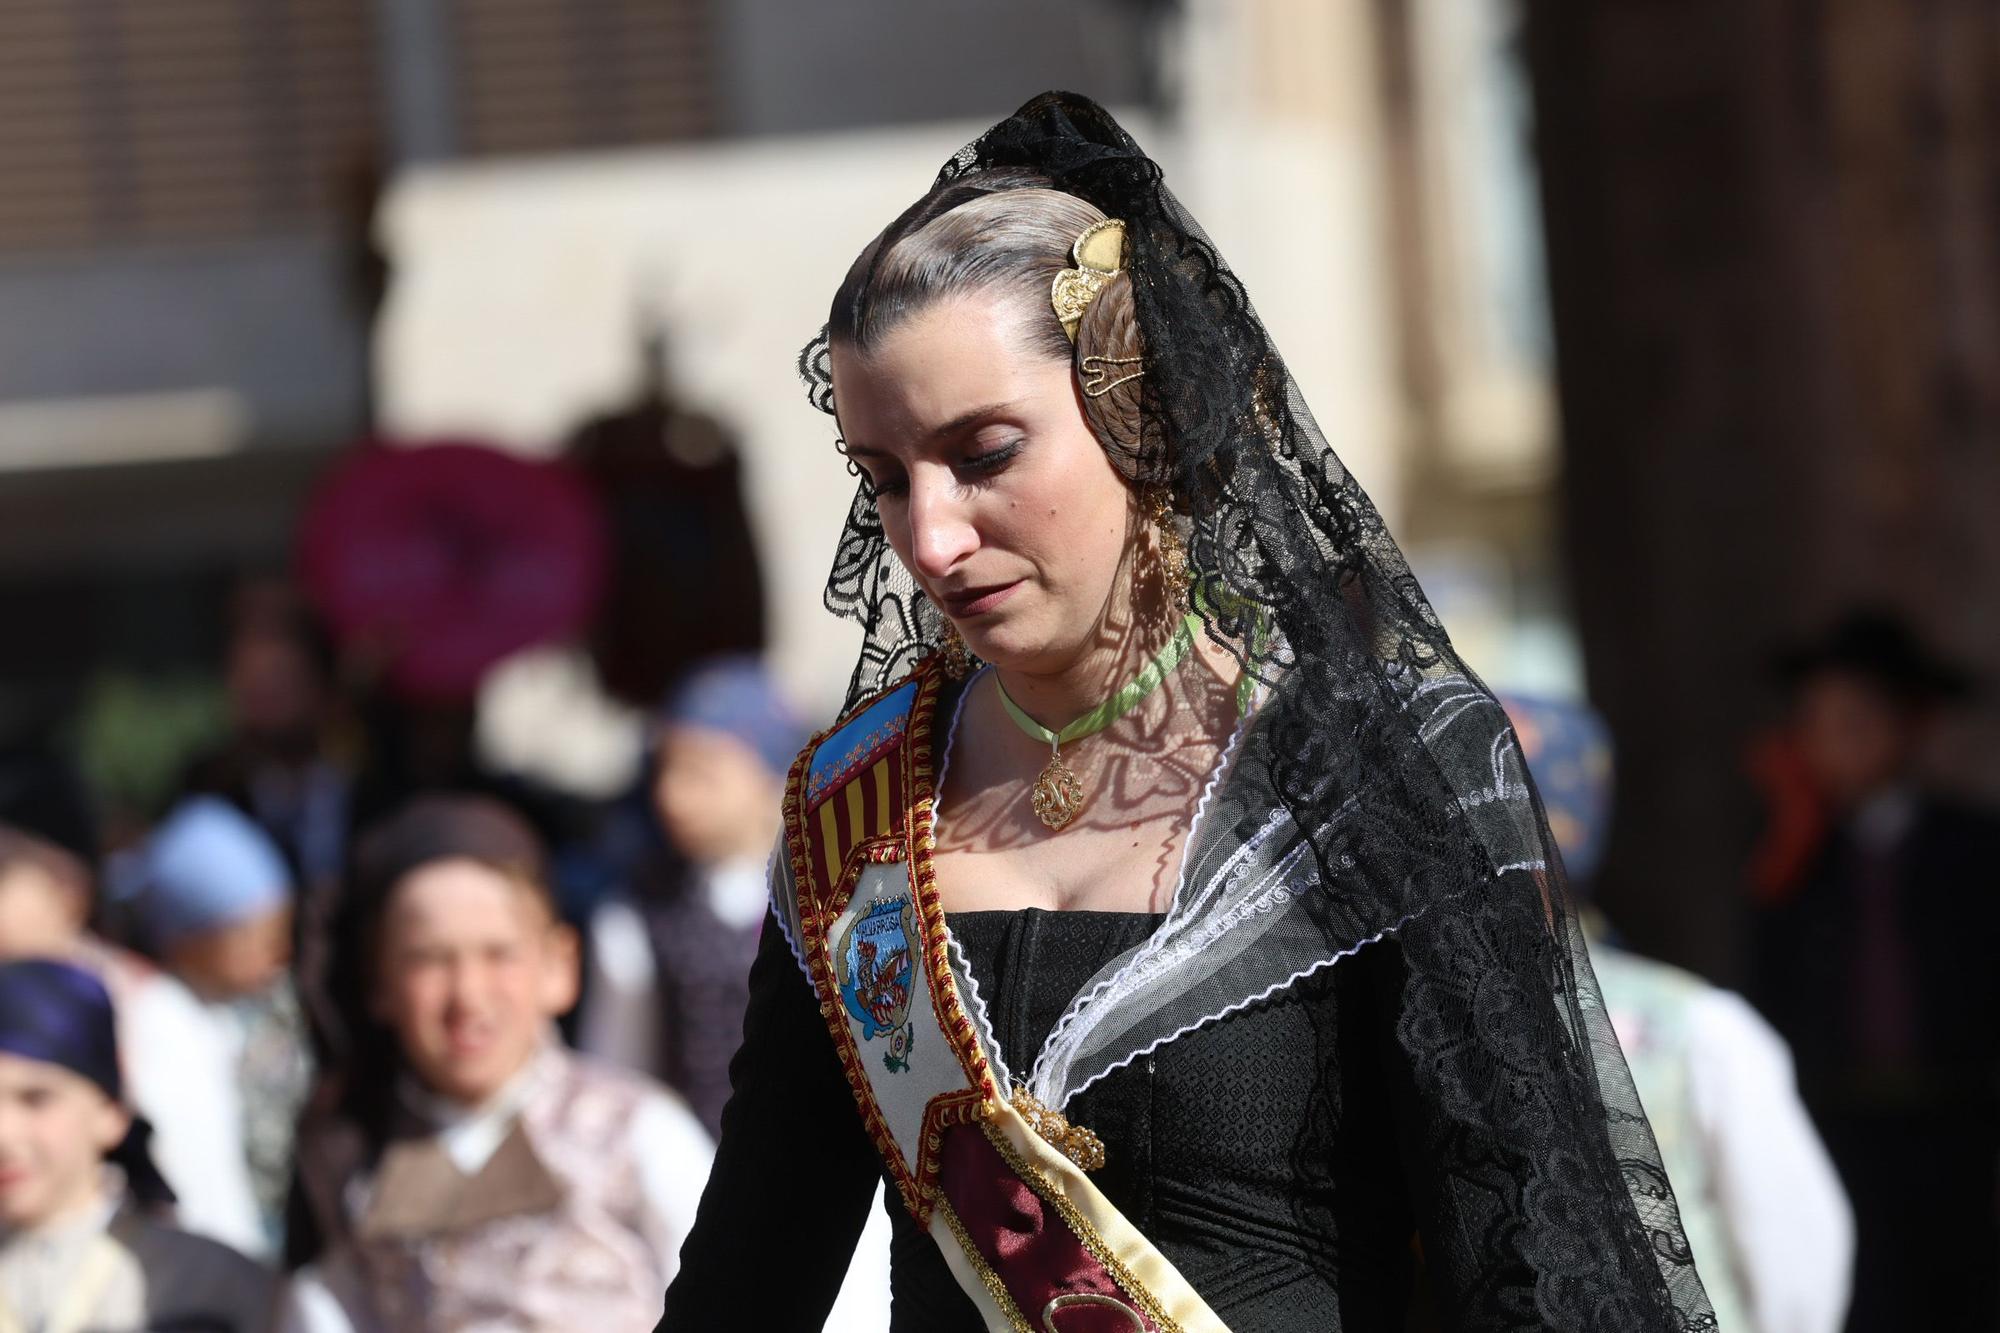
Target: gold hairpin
[
  {"x": 1098, "y": 382},
  {"x": 1099, "y": 254}
]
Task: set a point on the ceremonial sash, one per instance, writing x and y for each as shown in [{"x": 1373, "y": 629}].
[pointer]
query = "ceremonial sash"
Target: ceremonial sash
[{"x": 1033, "y": 1242}]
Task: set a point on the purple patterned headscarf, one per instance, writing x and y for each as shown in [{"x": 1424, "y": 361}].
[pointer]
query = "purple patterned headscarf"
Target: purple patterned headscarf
[{"x": 59, "y": 1014}]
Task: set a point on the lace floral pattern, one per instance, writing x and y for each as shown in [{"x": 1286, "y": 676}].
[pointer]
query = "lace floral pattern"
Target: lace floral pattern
[{"x": 1379, "y": 788}]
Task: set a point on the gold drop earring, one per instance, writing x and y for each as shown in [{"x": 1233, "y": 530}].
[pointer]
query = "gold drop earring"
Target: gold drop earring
[
  {"x": 1172, "y": 551},
  {"x": 957, "y": 657}
]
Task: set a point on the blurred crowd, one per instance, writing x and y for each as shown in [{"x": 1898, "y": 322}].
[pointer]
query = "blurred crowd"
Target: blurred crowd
[
  {"x": 355, "y": 1033},
  {"x": 1833, "y": 1136},
  {"x": 366, "y": 1036}
]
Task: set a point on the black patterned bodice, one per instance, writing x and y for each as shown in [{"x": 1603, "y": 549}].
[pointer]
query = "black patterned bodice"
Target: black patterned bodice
[
  {"x": 1256, "y": 1152},
  {"x": 1283, "y": 1156}
]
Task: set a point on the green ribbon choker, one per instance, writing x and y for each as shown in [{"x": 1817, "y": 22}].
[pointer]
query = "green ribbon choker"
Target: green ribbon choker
[{"x": 1058, "y": 795}]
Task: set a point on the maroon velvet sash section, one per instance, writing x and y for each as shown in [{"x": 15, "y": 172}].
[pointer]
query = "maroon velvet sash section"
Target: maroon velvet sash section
[{"x": 1028, "y": 1244}]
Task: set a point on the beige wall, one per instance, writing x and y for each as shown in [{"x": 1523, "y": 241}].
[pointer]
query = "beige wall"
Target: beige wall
[{"x": 520, "y": 287}]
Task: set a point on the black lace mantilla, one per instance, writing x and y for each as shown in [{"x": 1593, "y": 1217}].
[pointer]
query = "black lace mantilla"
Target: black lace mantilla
[{"x": 1409, "y": 816}]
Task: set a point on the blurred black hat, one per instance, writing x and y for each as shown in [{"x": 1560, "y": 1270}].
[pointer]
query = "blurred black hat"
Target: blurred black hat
[
  {"x": 1881, "y": 647},
  {"x": 43, "y": 797}
]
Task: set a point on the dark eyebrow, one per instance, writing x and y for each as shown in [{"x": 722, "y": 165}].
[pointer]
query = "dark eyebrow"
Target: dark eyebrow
[{"x": 952, "y": 427}]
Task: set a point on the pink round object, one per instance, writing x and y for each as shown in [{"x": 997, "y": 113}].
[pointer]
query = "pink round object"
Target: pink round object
[{"x": 440, "y": 559}]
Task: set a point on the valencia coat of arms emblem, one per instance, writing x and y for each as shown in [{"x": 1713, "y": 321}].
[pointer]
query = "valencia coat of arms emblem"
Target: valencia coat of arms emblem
[{"x": 876, "y": 964}]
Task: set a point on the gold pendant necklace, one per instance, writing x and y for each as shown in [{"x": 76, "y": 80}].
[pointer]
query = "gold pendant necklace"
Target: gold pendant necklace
[{"x": 1058, "y": 792}]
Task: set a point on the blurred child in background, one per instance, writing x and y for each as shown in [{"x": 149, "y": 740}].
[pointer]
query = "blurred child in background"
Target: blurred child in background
[
  {"x": 214, "y": 900},
  {"x": 1763, "y": 1209},
  {"x": 470, "y": 1171},
  {"x": 279, "y": 675},
  {"x": 178, "y": 1072},
  {"x": 79, "y": 1249},
  {"x": 670, "y": 963}
]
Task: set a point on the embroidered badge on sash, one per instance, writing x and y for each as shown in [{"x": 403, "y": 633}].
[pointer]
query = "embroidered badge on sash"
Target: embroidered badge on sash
[
  {"x": 869, "y": 930},
  {"x": 875, "y": 963}
]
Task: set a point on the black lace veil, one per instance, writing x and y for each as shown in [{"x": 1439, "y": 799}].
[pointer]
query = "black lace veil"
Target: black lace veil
[{"x": 1377, "y": 792}]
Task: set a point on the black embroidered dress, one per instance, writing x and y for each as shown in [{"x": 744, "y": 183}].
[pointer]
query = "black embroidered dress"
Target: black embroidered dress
[
  {"x": 1261, "y": 1154},
  {"x": 1368, "y": 1017}
]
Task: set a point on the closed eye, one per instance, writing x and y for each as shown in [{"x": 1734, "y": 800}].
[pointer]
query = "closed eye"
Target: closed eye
[
  {"x": 973, "y": 469},
  {"x": 982, "y": 466}
]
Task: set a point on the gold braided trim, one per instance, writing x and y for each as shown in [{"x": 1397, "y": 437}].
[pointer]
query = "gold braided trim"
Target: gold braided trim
[
  {"x": 995, "y": 1288},
  {"x": 921, "y": 828},
  {"x": 820, "y": 905},
  {"x": 1075, "y": 1142},
  {"x": 1085, "y": 1232}
]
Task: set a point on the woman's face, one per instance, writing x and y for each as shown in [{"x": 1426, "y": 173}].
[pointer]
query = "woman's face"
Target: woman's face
[{"x": 991, "y": 487}]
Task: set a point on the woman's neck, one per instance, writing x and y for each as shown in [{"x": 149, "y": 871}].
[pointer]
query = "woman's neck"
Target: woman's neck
[{"x": 1116, "y": 653}]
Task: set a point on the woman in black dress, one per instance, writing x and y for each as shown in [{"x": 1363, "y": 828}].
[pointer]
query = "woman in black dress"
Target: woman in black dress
[{"x": 1169, "y": 918}]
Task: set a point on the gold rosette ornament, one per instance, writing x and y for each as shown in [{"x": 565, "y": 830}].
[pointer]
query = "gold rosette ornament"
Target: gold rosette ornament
[{"x": 1053, "y": 1127}]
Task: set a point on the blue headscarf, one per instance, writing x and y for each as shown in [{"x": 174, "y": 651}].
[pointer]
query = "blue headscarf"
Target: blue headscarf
[
  {"x": 58, "y": 1014},
  {"x": 209, "y": 865},
  {"x": 1567, "y": 748},
  {"x": 735, "y": 695}
]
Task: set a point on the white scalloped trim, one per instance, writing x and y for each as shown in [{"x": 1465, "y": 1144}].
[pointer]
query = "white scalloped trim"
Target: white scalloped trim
[
  {"x": 1174, "y": 912},
  {"x": 778, "y": 913},
  {"x": 975, "y": 1004},
  {"x": 1239, "y": 1005},
  {"x": 1142, "y": 971}
]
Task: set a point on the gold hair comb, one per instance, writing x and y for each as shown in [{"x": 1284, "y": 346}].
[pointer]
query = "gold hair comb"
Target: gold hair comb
[{"x": 1099, "y": 254}]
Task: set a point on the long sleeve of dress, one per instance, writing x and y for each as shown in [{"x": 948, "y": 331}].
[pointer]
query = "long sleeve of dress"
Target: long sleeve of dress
[
  {"x": 1525, "y": 1212},
  {"x": 794, "y": 1174}
]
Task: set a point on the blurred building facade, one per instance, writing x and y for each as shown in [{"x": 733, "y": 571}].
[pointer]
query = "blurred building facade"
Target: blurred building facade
[
  {"x": 529, "y": 280},
  {"x": 1774, "y": 258},
  {"x": 252, "y": 232},
  {"x": 176, "y": 336},
  {"x": 189, "y": 269}
]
